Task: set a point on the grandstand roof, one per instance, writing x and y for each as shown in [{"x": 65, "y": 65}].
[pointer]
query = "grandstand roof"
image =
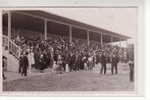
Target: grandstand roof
[{"x": 34, "y": 19}]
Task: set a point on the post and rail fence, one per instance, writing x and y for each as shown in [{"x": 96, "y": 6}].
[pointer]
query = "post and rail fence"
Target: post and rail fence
[{"x": 11, "y": 47}]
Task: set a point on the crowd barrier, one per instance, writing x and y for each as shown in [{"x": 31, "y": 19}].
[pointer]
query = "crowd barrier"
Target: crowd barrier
[{"x": 11, "y": 46}]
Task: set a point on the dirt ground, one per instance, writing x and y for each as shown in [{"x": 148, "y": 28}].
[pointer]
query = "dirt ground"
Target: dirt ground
[{"x": 72, "y": 81}]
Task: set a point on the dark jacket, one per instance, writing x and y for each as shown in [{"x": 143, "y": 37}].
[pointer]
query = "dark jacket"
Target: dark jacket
[
  {"x": 115, "y": 60},
  {"x": 103, "y": 59},
  {"x": 97, "y": 59},
  {"x": 25, "y": 62},
  {"x": 72, "y": 59},
  {"x": 55, "y": 57}
]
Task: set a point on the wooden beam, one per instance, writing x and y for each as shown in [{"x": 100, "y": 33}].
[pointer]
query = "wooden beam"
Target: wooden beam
[
  {"x": 70, "y": 33},
  {"x": 88, "y": 38},
  {"x": 101, "y": 39},
  {"x": 45, "y": 29},
  {"x": 9, "y": 28}
]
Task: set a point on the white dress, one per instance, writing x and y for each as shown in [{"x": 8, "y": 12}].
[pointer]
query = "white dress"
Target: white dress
[
  {"x": 67, "y": 68},
  {"x": 31, "y": 60}
]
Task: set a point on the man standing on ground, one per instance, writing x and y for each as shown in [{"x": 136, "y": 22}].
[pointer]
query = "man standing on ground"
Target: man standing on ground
[
  {"x": 103, "y": 62},
  {"x": 20, "y": 64},
  {"x": 25, "y": 64},
  {"x": 114, "y": 64},
  {"x": 4, "y": 66}
]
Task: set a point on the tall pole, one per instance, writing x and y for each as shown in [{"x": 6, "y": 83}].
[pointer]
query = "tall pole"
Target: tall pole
[
  {"x": 111, "y": 39},
  {"x": 9, "y": 28},
  {"x": 45, "y": 29},
  {"x": 70, "y": 34},
  {"x": 101, "y": 39},
  {"x": 88, "y": 38}
]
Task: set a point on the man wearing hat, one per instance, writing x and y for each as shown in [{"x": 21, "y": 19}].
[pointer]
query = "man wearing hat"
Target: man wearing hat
[
  {"x": 115, "y": 61},
  {"x": 25, "y": 64},
  {"x": 103, "y": 62}
]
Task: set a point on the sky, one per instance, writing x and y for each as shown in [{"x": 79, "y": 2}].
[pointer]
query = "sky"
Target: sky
[{"x": 120, "y": 20}]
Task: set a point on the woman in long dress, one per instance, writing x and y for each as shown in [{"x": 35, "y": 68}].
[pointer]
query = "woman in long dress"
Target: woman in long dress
[
  {"x": 59, "y": 65},
  {"x": 31, "y": 60}
]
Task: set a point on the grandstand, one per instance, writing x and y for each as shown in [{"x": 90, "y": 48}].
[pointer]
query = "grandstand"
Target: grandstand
[{"x": 40, "y": 24}]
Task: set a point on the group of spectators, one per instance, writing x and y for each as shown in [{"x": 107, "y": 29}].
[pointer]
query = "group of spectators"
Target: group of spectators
[{"x": 59, "y": 54}]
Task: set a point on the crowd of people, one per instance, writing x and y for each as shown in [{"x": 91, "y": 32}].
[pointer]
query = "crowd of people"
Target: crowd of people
[
  {"x": 62, "y": 56},
  {"x": 59, "y": 54}
]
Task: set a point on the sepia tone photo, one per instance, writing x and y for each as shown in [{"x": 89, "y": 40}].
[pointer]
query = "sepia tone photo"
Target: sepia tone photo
[{"x": 69, "y": 49}]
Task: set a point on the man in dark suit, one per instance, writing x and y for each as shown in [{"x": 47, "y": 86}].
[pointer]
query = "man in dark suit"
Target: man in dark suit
[
  {"x": 114, "y": 63},
  {"x": 20, "y": 63},
  {"x": 71, "y": 61},
  {"x": 42, "y": 62},
  {"x": 79, "y": 62},
  {"x": 25, "y": 64},
  {"x": 4, "y": 65},
  {"x": 103, "y": 63},
  {"x": 37, "y": 58},
  {"x": 64, "y": 57}
]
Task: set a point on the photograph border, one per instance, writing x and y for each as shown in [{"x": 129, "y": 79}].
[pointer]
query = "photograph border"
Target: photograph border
[{"x": 139, "y": 45}]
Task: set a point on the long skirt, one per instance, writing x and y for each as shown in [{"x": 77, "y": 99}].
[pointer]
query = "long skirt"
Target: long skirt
[
  {"x": 67, "y": 68},
  {"x": 85, "y": 66}
]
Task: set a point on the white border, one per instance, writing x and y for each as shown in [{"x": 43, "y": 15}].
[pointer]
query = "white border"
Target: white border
[{"x": 140, "y": 39}]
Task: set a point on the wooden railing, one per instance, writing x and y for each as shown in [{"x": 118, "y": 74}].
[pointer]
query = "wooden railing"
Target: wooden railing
[
  {"x": 12, "y": 47},
  {"x": 5, "y": 41}
]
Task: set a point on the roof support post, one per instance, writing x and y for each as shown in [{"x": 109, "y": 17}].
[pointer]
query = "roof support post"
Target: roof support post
[
  {"x": 111, "y": 39},
  {"x": 101, "y": 39},
  {"x": 120, "y": 42},
  {"x": 9, "y": 28},
  {"x": 127, "y": 43},
  {"x": 70, "y": 34},
  {"x": 88, "y": 38},
  {"x": 45, "y": 29}
]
